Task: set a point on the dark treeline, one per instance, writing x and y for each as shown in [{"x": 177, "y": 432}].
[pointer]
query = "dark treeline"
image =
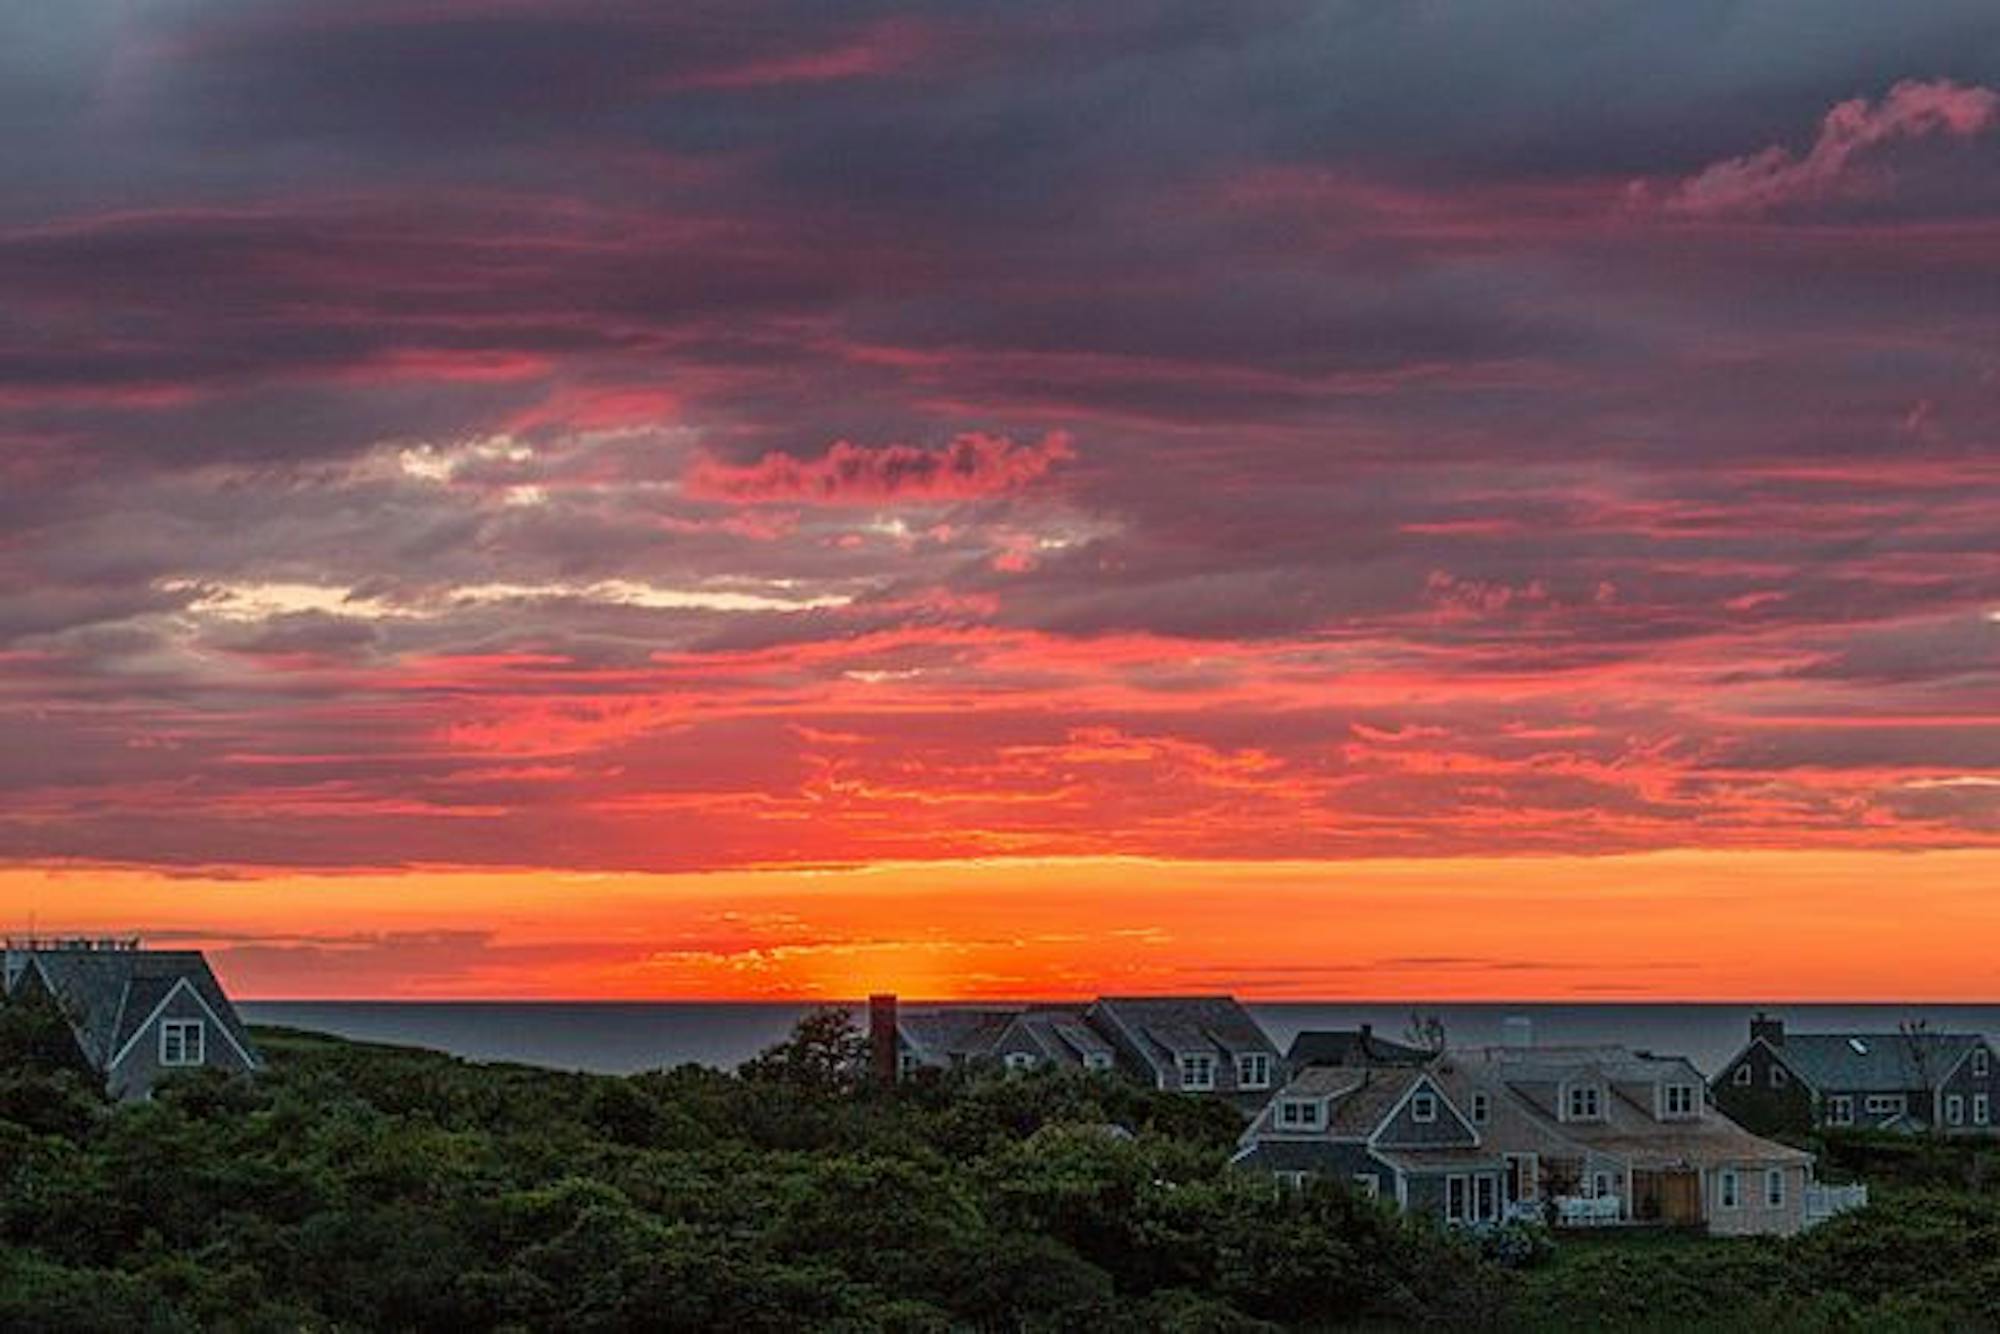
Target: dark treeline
[{"x": 368, "y": 1187}]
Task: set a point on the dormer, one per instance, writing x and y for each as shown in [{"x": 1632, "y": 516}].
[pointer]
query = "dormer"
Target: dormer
[
  {"x": 1678, "y": 1099},
  {"x": 1582, "y": 1100},
  {"x": 1295, "y": 1115}
]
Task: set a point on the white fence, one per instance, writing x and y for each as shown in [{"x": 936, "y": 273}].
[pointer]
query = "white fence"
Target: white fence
[
  {"x": 1824, "y": 1202},
  {"x": 1589, "y": 1211}
]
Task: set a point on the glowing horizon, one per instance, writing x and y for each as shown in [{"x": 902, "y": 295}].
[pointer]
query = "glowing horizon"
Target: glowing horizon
[{"x": 448, "y": 449}]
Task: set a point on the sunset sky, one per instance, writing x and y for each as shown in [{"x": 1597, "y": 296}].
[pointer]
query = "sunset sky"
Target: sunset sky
[{"x": 551, "y": 498}]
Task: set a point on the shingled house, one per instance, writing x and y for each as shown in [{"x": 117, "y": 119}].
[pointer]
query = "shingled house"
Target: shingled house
[
  {"x": 1581, "y": 1136},
  {"x": 1207, "y": 1045},
  {"x": 138, "y": 1015},
  {"x": 1911, "y": 1081}
]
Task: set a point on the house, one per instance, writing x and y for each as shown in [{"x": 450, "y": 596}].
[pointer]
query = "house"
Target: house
[
  {"x": 138, "y": 1015},
  {"x": 1188, "y": 1044},
  {"x": 1903, "y": 1081},
  {"x": 1575, "y": 1135},
  {"x": 1392, "y": 1132},
  {"x": 1351, "y": 1047}
]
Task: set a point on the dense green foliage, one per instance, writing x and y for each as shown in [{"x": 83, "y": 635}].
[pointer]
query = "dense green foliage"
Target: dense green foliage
[
  {"x": 370, "y": 1187},
  {"x": 373, "y": 1187}
]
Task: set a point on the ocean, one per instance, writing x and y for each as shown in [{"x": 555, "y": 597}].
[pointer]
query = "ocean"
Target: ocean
[{"x": 618, "y": 1037}]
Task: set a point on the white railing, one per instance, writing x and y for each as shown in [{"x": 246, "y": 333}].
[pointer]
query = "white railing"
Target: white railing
[
  {"x": 1824, "y": 1202},
  {"x": 1589, "y": 1210}
]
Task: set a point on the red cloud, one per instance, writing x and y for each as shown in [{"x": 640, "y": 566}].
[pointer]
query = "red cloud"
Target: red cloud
[
  {"x": 1759, "y": 182},
  {"x": 973, "y": 464}
]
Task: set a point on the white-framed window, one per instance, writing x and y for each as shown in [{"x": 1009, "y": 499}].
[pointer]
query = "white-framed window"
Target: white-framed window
[
  {"x": 1600, "y": 1186},
  {"x": 1885, "y": 1104},
  {"x": 1253, "y": 1070},
  {"x": 1298, "y": 1114},
  {"x": 1485, "y": 1198},
  {"x": 1779, "y": 1076},
  {"x": 1729, "y": 1188},
  {"x": 906, "y": 1064},
  {"x": 1982, "y": 1109},
  {"x": 1680, "y": 1100},
  {"x": 1981, "y": 1062},
  {"x": 1098, "y": 1061},
  {"x": 1744, "y": 1074},
  {"x": 1424, "y": 1107},
  {"x": 1585, "y": 1102},
  {"x": 1197, "y": 1071},
  {"x": 1774, "y": 1188},
  {"x": 1369, "y": 1184},
  {"x": 1456, "y": 1198},
  {"x": 1018, "y": 1061},
  {"x": 1482, "y": 1107},
  {"x": 183, "y": 1041},
  {"x": 1840, "y": 1110},
  {"x": 1954, "y": 1109}
]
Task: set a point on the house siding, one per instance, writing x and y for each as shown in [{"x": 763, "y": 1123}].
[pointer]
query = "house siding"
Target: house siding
[
  {"x": 140, "y": 1070},
  {"x": 1753, "y": 1215},
  {"x": 1965, "y": 1085},
  {"x": 1757, "y": 1106},
  {"x": 1447, "y": 1131}
]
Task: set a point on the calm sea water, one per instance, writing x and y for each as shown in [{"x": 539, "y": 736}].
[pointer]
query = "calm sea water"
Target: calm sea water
[{"x": 620, "y": 1038}]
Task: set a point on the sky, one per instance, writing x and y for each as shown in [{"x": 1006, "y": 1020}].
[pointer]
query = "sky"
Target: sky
[{"x": 776, "y": 499}]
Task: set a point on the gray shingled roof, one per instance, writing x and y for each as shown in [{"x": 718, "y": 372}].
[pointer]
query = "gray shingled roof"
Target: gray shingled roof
[
  {"x": 1351, "y": 1046},
  {"x": 109, "y": 994},
  {"x": 1167, "y": 1026},
  {"x": 1296, "y": 1155},
  {"x": 1864, "y": 1062},
  {"x": 956, "y": 1033}
]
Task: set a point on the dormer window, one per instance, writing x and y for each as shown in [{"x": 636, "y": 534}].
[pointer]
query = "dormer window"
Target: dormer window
[
  {"x": 1097, "y": 1061},
  {"x": 1018, "y": 1061},
  {"x": 1298, "y": 1114},
  {"x": 1482, "y": 1107},
  {"x": 1253, "y": 1070},
  {"x": 183, "y": 1041},
  {"x": 1680, "y": 1100},
  {"x": 1586, "y": 1102},
  {"x": 1197, "y": 1071},
  {"x": 1424, "y": 1107}
]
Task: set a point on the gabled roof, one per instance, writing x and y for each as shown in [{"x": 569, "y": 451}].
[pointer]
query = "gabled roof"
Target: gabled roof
[
  {"x": 109, "y": 995},
  {"x": 1164, "y": 1028},
  {"x": 1061, "y": 1035},
  {"x": 1351, "y": 1046},
  {"x": 1358, "y": 1100},
  {"x": 1873, "y": 1062},
  {"x": 955, "y": 1033}
]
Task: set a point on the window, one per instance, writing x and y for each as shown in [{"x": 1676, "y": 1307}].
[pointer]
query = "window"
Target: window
[
  {"x": 1728, "y": 1189},
  {"x": 1585, "y": 1103},
  {"x": 906, "y": 1064},
  {"x": 1424, "y": 1107},
  {"x": 1253, "y": 1070},
  {"x": 1454, "y": 1199},
  {"x": 1954, "y": 1109},
  {"x": 1779, "y": 1076},
  {"x": 1600, "y": 1185},
  {"x": 1982, "y": 1109},
  {"x": 1369, "y": 1185},
  {"x": 1885, "y": 1104},
  {"x": 1774, "y": 1188},
  {"x": 1840, "y": 1111},
  {"x": 1680, "y": 1100},
  {"x": 182, "y": 1041},
  {"x": 1019, "y": 1060},
  {"x": 1295, "y": 1180},
  {"x": 1980, "y": 1062},
  {"x": 1744, "y": 1074},
  {"x": 1097, "y": 1060},
  {"x": 1197, "y": 1071},
  {"x": 1298, "y": 1114},
  {"x": 1482, "y": 1108},
  {"x": 1485, "y": 1198}
]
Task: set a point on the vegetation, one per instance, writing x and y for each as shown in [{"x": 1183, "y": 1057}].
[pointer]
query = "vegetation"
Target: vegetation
[{"x": 368, "y": 1187}]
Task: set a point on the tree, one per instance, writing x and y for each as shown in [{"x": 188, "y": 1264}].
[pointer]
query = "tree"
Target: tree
[
  {"x": 826, "y": 1053},
  {"x": 1425, "y": 1031}
]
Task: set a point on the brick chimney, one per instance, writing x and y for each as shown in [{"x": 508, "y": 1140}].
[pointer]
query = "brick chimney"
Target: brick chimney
[
  {"x": 882, "y": 1038},
  {"x": 1772, "y": 1031}
]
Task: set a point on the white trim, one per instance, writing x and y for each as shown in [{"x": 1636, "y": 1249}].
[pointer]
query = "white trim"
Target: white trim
[
  {"x": 1954, "y": 1109},
  {"x": 1774, "y": 1188},
  {"x": 1982, "y": 1109},
  {"x": 1424, "y": 1108},
  {"x": 1422, "y": 1081},
  {"x": 194, "y": 991},
  {"x": 1840, "y": 1109},
  {"x": 1728, "y": 1188},
  {"x": 1245, "y": 1057},
  {"x": 193, "y": 1034},
  {"x": 1982, "y": 1061}
]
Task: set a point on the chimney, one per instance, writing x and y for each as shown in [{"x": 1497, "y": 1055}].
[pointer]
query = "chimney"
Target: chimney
[
  {"x": 1517, "y": 1030},
  {"x": 1772, "y": 1031},
  {"x": 882, "y": 1038}
]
